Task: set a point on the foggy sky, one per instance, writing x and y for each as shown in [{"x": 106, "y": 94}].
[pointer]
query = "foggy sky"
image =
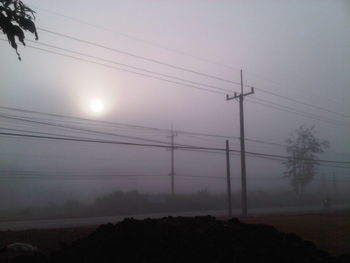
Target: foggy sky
[{"x": 298, "y": 49}]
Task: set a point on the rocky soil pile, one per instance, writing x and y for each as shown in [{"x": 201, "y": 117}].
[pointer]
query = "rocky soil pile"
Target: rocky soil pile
[{"x": 181, "y": 239}]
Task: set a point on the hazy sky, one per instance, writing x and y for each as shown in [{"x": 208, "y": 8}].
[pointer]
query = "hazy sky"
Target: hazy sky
[{"x": 296, "y": 49}]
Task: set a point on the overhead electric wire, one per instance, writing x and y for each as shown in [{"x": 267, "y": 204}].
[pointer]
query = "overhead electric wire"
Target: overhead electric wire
[
  {"x": 301, "y": 102},
  {"x": 76, "y": 178},
  {"x": 117, "y": 124},
  {"x": 201, "y": 134},
  {"x": 294, "y": 111},
  {"x": 192, "y": 56},
  {"x": 284, "y": 108},
  {"x": 88, "y": 131},
  {"x": 137, "y": 39},
  {"x": 23, "y": 175},
  {"x": 122, "y": 124},
  {"x": 199, "y": 73},
  {"x": 121, "y": 69},
  {"x": 294, "y": 158},
  {"x": 308, "y": 93},
  {"x": 213, "y": 89},
  {"x": 128, "y": 66},
  {"x": 62, "y": 175},
  {"x": 289, "y": 109},
  {"x": 36, "y": 132},
  {"x": 192, "y": 71},
  {"x": 137, "y": 56},
  {"x": 190, "y": 133},
  {"x": 11, "y": 117},
  {"x": 85, "y": 130},
  {"x": 315, "y": 161}
]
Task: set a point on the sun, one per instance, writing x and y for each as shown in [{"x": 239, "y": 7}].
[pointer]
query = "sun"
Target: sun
[{"x": 97, "y": 106}]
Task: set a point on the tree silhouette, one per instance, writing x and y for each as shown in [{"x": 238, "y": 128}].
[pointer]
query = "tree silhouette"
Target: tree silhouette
[
  {"x": 15, "y": 18},
  {"x": 302, "y": 148}
]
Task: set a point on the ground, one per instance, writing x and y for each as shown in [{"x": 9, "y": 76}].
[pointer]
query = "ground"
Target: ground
[{"x": 330, "y": 232}]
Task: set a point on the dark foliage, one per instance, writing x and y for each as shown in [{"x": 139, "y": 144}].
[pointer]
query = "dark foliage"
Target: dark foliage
[
  {"x": 302, "y": 148},
  {"x": 15, "y": 18}
]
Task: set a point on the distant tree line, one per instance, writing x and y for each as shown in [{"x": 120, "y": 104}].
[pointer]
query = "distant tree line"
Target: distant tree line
[{"x": 133, "y": 202}]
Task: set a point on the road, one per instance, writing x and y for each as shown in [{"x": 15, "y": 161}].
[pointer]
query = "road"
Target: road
[{"x": 89, "y": 221}]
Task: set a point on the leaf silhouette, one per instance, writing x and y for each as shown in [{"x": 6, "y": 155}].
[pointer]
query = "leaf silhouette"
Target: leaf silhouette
[{"x": 15, "y": 18}]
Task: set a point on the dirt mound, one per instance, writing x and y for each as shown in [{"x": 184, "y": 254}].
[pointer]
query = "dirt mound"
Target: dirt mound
[{"x": 198, "y": 239}]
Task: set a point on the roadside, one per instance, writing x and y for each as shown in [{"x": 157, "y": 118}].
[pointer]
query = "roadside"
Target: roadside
[{"x": 330, "y": 232}]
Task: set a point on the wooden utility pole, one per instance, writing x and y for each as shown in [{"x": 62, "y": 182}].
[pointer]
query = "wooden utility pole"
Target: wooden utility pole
[
  {"x": 243, "y": 167},
  {"x": 228, "y": 179},
  {"x": 335, "y": 190},
  {"x": 323, "y": 185},
  {"x": 172, "y": 172}
]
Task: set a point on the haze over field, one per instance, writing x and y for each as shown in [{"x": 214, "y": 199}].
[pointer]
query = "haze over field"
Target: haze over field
[{"x": 295, "y": 53}]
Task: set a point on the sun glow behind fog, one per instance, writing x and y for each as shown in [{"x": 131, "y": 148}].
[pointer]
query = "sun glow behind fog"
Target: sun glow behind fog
[
  {"x": 96, "y": 94},
  {"x": 97, "y": 106}
]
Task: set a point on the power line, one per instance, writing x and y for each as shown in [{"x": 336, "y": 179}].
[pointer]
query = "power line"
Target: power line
[
  {"x": 294, "y": 158},
  {"x": 284, "y": 108},
  {"x": 80, "y": 129},
  {"x": 89, "y": 131},
  {"x": 297, "y": 112},
  {"x": 136, "y": 56},
  {"x": 99, "y": 122},
  {"x": 195, "y": 72},
  {"x": 121, "y": 69},
  {"x": 301, "y": 112},
  {"x": 183, "y": 84},
  {"x": 137, "y": 39},
  {"x": 302, "y": 102},
  {"x": 126, "y": 65},
  {"x": 185, "y": 80},
  {"x": 189, "y": 55},
  {"x": 294, "y": 89},
  {"x": 73, "y": 178},
  {"x": 195, "y": 149},
  {"x": 36, "y": 132},
  {"x": 90, "y": 140},
  {"x": 201, "y": 134},
  {"x": 169, "y": 65},
  {"x": 190, "y": 133},
  {"x": 291, "y": 110},
  {"x": 19, "y": 175},
  {"x": 123, "y": 124},
  {"x": 192, "y": 56}
]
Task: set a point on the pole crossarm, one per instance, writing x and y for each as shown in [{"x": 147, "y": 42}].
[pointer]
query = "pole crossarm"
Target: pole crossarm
[{"x": 237, "y": 96}]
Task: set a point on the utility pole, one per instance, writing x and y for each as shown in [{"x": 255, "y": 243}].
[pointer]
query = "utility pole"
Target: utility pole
[
  {"x": 323, "y": 185},
  {"x": 228, "y": 179},
  {"x": 335, "y": 190},
  {"x": 172, "y": 172},
  {"x": 243, "y": 167}
]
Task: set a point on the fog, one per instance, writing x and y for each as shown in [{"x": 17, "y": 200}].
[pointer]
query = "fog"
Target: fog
[{"x": 298, "y": 50}]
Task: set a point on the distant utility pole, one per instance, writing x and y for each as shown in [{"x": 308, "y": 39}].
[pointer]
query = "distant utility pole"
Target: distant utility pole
[
  {"x": 335, "y": 190},
  {"x": 228, "y": 179},
  {"x": 243, "y": 168},
  {"x": 323, "y": 185},
  {"x": 172, "y": 172}
]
